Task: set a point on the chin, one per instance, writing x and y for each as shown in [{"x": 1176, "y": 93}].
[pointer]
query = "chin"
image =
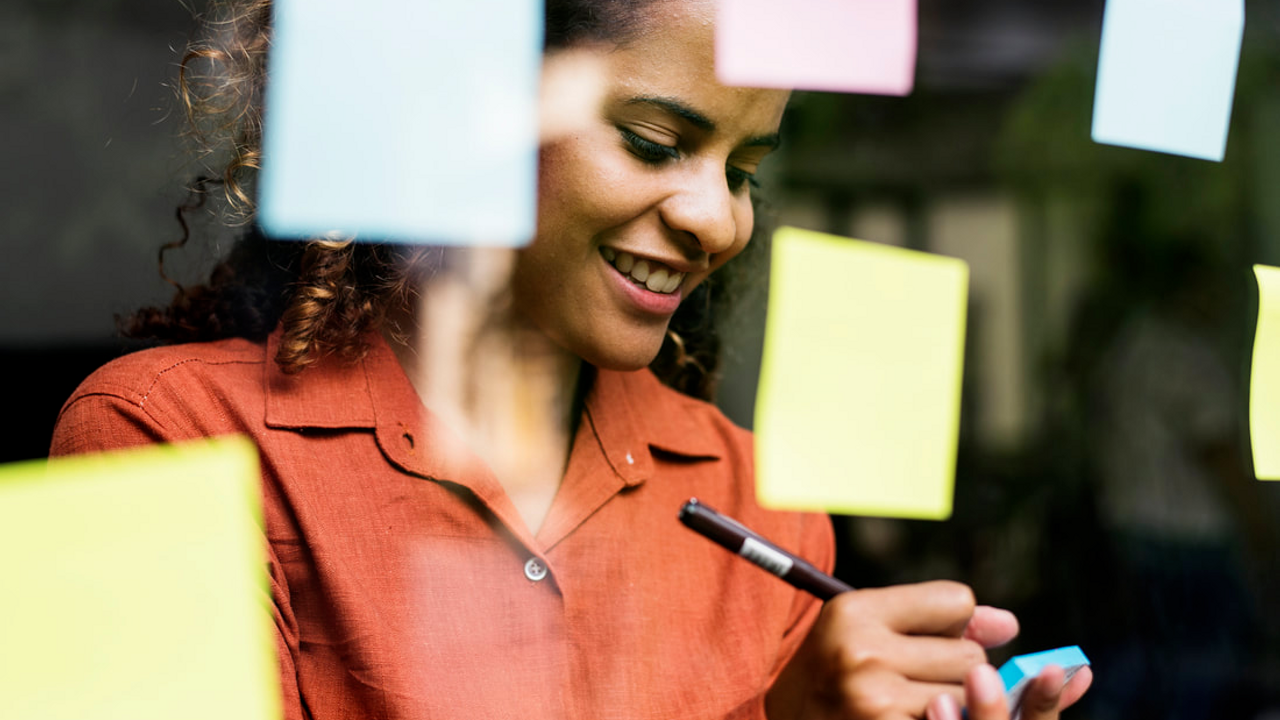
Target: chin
[
  {"x": 625, "y": 359},
  {"x": 627, "y": 363}
]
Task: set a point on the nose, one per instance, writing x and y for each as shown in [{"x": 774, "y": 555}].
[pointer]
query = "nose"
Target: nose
[{"x": 704, "y": 210}]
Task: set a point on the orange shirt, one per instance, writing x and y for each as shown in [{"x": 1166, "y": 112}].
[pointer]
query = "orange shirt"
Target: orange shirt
[{"x": 405, "y": 583}]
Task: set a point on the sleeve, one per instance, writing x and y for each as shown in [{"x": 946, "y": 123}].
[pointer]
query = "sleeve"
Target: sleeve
[
  {"x": 818, "y": 547},
  {"x": 98, "y": 422}
]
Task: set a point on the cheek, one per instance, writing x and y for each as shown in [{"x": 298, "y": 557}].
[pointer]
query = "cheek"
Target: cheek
[{"x": 581, "y": 185}]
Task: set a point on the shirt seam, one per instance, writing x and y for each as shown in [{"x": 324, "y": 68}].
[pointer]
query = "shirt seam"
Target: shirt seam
[{"x": 160, "y": 374}]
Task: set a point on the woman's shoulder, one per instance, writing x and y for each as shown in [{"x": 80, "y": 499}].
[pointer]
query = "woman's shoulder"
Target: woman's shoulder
[
  {"x": 137, "y": 375},
  {"x": 161, "y": 394}
]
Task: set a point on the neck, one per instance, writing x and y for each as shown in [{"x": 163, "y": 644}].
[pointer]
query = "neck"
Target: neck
[{"x": 499, "y": 382}]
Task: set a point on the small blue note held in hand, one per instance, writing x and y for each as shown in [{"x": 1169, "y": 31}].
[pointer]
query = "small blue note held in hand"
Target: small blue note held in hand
[
  {"x": 1167, "y": 75},
  {"x": 403, "y": 121},
  {"x": 1021, "y": 670}
]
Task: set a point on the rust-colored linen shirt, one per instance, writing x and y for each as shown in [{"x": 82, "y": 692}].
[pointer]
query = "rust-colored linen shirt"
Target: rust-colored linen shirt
[{"x": 405, "y": 583}]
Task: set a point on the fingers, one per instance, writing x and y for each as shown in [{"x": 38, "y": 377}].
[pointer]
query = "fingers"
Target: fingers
[
  {"x": 1077, "y": 687},
  {"x": 904, "y": 651},
  {"x": 880, "y": 693},
  {"x": 984, "y": 694},
  {"x": 991, "y": 627},
  {"x": 896, "y": 649},
  {"x": 1043, "y": 695},
  {"x": 940, "y": 607},
  {"x": 943, "y": 707},
  {"x": 934, "y": 659},
  {"x": 909, "y": 630}
]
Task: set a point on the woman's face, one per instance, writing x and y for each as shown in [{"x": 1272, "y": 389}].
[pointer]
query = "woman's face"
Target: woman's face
[{"x": 650, "y": 198}]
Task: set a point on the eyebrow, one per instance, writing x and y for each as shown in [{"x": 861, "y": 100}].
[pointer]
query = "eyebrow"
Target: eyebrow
[{"x": 700, "y": 121}]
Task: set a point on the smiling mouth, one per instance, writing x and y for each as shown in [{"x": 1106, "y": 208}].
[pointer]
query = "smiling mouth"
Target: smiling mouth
[{"x": 651, "y": 275}]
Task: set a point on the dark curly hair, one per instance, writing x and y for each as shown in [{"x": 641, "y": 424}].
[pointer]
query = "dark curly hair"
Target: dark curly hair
[{"x": 327, "y": 295}]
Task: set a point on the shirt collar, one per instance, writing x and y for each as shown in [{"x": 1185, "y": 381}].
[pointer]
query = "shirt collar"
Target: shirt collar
[
  {"x": 633, "y": 412},
  {"x": 630, "y": 412},
  {"x": 330, "y": 394},
  {"x": 372, "y": 393}
]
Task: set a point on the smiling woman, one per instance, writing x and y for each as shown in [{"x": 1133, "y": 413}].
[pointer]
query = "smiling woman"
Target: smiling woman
[
  {"x": 326, "y": 296},
  {"x": 640, "y": 207},
  {"x": 427, "y": 563}
]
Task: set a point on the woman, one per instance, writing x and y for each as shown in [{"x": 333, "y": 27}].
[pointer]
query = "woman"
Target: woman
[{"x": 423, "y": 567}]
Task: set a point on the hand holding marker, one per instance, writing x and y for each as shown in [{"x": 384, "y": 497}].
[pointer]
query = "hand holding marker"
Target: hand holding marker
[{"x": 737, "y": 538}]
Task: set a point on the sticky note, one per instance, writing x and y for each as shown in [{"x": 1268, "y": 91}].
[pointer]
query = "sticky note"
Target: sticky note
[
  {"x": 132, "y": 585},
  {"x": 1264, "y": 383},
  {"x": 414, "y": 121},
  {"x": 859, "y": 403},
  {"x": 856, "y": 46},
  {"x": 1021, "y": 670},
  {"x": 1167, "y": 75}
]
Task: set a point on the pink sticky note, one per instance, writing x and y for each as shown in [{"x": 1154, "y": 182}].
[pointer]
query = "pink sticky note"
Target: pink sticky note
[{"x": 858, "y": 46}]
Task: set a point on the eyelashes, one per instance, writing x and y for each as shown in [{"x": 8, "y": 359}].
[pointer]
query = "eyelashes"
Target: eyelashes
[
  {"x": 738, "y": 178},
  {"x": 648, "y": 150},
  {"x": 654, "y": 153}
]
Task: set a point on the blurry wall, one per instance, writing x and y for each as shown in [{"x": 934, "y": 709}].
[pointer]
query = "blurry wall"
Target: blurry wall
[
  {"x": 92, "y": 166},
  {"x": 92, "y": 174}
]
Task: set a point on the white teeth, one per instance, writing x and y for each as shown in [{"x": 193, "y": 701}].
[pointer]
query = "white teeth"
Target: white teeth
[
  {"x": 640, "y": 271},
  {"x": 656, "y": 277}
]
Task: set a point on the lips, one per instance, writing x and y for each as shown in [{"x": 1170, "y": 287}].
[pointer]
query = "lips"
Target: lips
[{"x": 651, "y": 274}]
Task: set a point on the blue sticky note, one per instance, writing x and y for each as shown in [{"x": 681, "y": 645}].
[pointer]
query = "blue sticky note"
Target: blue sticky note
[
  {"x": 403, "y": 121},
  {"x": 1167, "y": 75},
  {"x": 1023, "y": 669}
]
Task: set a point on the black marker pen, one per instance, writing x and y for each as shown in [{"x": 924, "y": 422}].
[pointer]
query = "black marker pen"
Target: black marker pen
[{"x": 736, "y": 538}]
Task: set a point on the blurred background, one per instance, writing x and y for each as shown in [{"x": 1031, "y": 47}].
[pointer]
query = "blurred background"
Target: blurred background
[{"x": 1104, "y": 490}]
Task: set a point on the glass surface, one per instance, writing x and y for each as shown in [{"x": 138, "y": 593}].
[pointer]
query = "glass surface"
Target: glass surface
[{"x": 1104, "y": 489}]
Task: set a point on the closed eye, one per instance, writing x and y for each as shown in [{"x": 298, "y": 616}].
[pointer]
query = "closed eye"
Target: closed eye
[
  {"x": 655, "y": 153},
  {"x": 648, "y": 150},
  {"x": 739, "y": 178}
]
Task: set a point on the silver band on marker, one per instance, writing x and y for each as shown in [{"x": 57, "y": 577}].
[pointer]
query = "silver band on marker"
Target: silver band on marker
[{"x": 765, "y": 556}]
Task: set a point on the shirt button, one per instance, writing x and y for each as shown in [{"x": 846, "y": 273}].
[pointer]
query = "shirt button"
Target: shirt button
[{"x": 535, "y": 570}]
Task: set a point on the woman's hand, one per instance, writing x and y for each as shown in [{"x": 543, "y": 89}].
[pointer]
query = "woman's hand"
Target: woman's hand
[
  {"x": 1044, "y": 698},
  {"x": 899, "y": 652}
]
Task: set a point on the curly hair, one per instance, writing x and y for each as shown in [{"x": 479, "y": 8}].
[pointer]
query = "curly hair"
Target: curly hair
[{"x": 325, "y": 294}]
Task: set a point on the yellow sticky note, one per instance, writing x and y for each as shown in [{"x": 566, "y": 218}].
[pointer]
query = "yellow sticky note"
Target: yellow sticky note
[
  {"x": 859, "y": 403},
  {"x": 132, "y": 585},
  {"x": 1264, "y": 386}
]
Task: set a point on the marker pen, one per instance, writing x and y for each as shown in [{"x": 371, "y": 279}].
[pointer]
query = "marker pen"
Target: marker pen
[{"x": 736, "y": 538}]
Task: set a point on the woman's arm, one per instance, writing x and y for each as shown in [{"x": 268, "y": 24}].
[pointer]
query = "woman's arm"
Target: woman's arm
[{"x": 99, "y": 421}]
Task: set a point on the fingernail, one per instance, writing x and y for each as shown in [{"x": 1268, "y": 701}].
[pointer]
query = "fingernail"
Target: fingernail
[
  {"x": 987, "y": 686},
  {"x": 943, "y": 707},
  {"x": 1007, "y": 615}
]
